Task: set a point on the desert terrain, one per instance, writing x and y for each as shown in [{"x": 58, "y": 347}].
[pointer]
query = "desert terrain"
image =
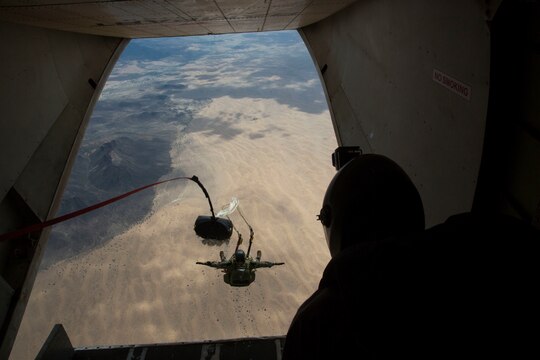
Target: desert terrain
[{"x": 143, "y": 286}]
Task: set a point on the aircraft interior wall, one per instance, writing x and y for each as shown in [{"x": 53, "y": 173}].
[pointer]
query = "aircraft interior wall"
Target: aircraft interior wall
[
  {"x": 387, "y": 66},
  {"x": 50, "y": 80}
]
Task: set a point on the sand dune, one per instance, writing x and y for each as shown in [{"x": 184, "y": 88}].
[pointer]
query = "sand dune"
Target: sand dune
[{"x": 144, "y": 286}]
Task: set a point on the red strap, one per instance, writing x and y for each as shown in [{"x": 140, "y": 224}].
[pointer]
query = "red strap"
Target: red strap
[{"x": 41, "y": 226}]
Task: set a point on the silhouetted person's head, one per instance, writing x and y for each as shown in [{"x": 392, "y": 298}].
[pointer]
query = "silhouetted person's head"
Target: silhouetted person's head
[
  {"x": 369, "y": 198},
  {"x": 240, "y": 256}
]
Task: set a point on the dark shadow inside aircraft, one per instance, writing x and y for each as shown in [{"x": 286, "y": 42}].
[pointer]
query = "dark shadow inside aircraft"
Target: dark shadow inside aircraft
[{"x": 509, "y": 172}]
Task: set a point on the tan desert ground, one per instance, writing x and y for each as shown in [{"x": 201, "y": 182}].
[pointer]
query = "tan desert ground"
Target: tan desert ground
[{"x": 144, "y": 286}]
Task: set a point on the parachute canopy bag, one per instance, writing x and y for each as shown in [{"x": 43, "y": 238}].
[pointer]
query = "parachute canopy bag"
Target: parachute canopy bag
[{"x": 210, "y": 227}]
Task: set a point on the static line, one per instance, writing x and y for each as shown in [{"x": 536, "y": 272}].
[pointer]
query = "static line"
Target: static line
[{"x": 41, "y": 226}]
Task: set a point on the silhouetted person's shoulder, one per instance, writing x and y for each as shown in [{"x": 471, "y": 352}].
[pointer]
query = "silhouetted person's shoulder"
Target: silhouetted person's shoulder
[
  {"x": 483, "y": 227},
  {"x": 459, "y": 289},
  {"x": 487, "y": 250},
  {"x": 363, "y": 292}
]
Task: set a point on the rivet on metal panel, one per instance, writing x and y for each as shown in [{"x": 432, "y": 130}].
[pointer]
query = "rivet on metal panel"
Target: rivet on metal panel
[
  {"x": 324, "y": 68},
  {"x": 92, "y": 83}
]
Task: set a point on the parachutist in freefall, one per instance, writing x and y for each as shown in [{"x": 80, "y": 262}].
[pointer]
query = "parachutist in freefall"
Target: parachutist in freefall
[{"x": 240, "y": 268}]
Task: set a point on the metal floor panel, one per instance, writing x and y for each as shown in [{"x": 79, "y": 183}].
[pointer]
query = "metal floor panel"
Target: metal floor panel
[{"x": 265, "y": 348}]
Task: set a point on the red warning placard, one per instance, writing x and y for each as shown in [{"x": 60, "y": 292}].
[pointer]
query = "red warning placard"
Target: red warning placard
[{"x": 452, "y": 84}]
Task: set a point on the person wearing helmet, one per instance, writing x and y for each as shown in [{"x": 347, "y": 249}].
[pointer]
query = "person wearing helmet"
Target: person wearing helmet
[
  {"x": 394, "y": 290},
  {"x": 239, "y": 257},
  {"x": 368, "y": 204},
  {"x": 370, "y": 198}
]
